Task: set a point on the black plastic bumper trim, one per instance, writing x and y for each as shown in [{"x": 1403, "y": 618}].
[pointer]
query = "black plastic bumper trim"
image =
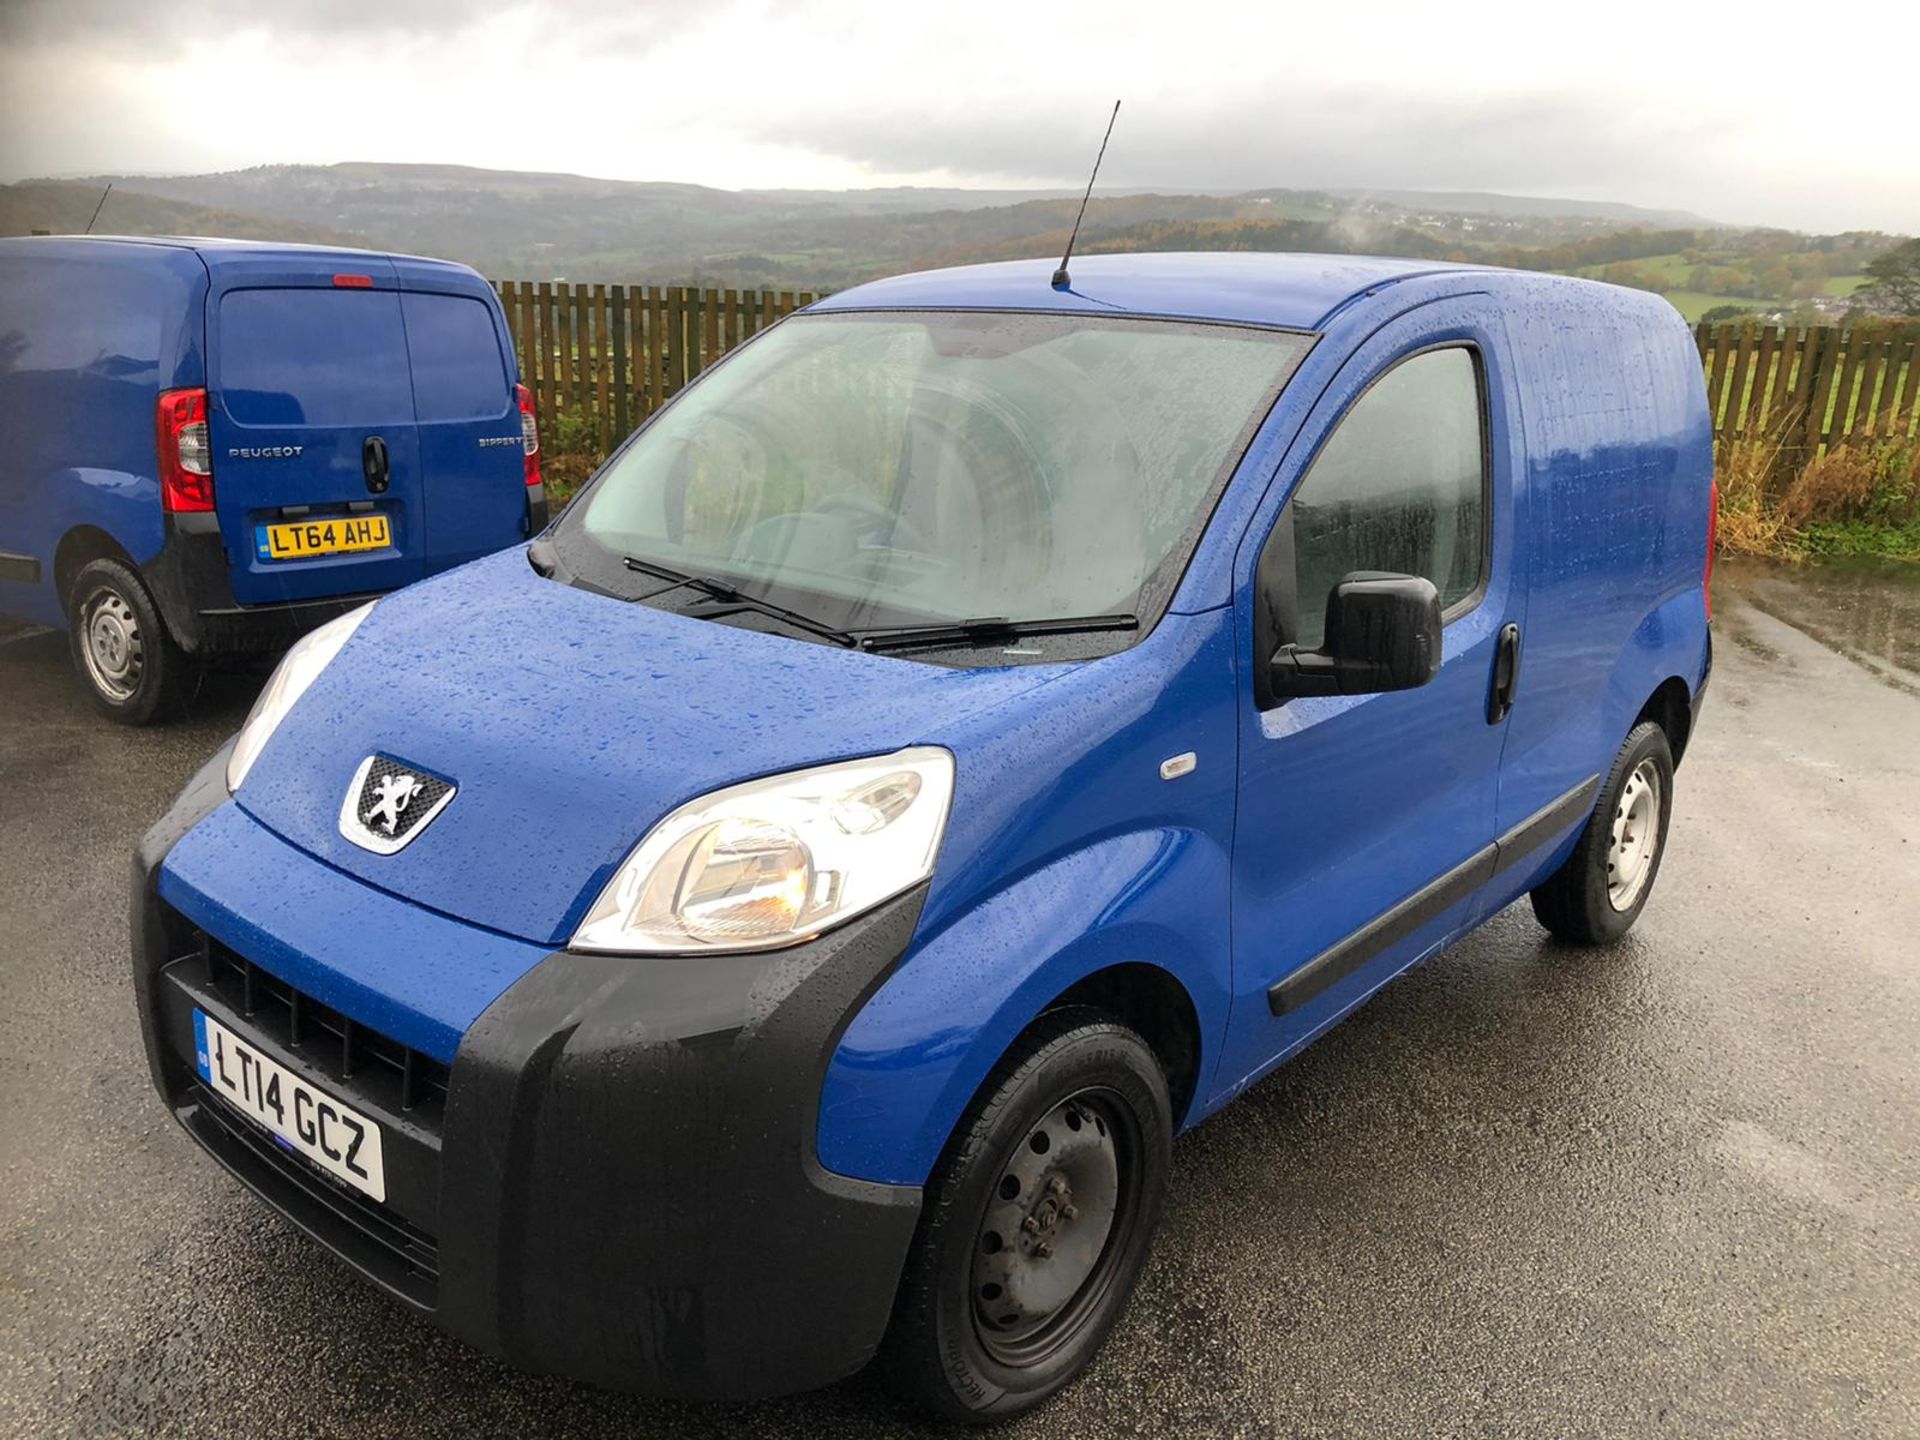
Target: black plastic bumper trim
[
  {"x": 24, "y": 569},
  {"x": 1338, "y": 961},
  {"x": 393, "y": 1255},
  {"x": 642, "y": 1204},
  {"x": 1545, "y": 824}
]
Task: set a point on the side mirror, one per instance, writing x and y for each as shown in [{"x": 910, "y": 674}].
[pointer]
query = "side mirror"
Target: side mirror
[{"x": 1382, "y": 633}]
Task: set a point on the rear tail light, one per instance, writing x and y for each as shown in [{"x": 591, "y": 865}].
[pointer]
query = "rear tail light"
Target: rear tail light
[
  {"x": 1713, "y": 540},
  {"x": 529, "y": 433},
  {"x": 185, "y": 452}
]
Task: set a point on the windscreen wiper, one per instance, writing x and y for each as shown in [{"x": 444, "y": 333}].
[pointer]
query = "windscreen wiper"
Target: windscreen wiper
[
  {"x": 733, "y": 601},
  {"x": 984, "y": 631}
]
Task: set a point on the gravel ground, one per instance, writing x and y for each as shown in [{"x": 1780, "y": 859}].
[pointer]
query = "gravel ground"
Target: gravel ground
[{"x": 1672, "y": 1186}]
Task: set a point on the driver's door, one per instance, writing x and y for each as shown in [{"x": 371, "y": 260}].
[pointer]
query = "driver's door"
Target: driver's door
[{"x": 1365, "y": 823}]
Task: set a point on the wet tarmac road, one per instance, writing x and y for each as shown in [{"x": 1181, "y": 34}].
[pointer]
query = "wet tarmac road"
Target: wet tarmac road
[{"x": 1673, "y": 1188}]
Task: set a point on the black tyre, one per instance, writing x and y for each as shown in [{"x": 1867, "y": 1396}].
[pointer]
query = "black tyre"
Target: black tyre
[
  {"x": 1038, "y": 1221},
  {"x": 1594, "y": 898},
  {"x": 121, "y": 649}
]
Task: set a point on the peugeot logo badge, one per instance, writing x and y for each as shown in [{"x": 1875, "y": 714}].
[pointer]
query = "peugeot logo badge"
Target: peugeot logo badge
[{"x": 390, "y": 802}]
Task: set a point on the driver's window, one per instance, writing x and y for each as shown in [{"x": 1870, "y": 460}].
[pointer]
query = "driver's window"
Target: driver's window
[{"x": 1399, "y": 486}]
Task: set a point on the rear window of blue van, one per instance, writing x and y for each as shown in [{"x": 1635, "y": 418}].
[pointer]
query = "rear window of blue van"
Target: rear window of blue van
[
  {"x": 458, "y": 370},
  {"x": 314, "y": 357}
]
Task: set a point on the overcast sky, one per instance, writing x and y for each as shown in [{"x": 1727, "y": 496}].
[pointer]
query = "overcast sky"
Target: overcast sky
[{"x": 1682, "y": 104}]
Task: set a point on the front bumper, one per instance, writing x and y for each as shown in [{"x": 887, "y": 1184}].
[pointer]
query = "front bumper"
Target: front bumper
[{"x": 618, "y": 1181}]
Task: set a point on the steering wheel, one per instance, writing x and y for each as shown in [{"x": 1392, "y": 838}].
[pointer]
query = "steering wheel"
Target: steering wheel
[{"x": 902, "y": 534}]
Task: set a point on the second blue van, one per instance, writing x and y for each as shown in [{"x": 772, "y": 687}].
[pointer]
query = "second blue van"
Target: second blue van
[
  {"x": 783, "y": 913},
  {"x": 213, "y": 446}
]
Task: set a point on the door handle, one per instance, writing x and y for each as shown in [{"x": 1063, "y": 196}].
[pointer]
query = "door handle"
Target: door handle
[
  {"x": 374, "y": 463},
  {"x": 1506, "y": 673}
]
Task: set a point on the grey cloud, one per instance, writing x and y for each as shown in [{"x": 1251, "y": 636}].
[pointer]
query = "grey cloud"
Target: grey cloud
[
  {"x": 1294, "y": 139},
  {"x": 159, "y": 29},
  {"x": 138, "y": 23}
]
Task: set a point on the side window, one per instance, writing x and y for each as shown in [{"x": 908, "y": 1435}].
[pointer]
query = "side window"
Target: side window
[{"x": 1399, "y": 486}]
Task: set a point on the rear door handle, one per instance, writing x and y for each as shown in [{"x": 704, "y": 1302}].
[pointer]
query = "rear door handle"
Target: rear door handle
[
  {"x": 1506, "y": 673},
  {"x": 374, "y": 463}
]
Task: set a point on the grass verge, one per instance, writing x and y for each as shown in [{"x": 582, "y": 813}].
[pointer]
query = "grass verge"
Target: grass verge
[{"x": 1859, "y": 498}]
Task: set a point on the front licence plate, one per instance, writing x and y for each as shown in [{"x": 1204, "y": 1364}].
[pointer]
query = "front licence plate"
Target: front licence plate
[
  {"x": 338, "y": 536},
  {"x": 309, "y": 1122}
]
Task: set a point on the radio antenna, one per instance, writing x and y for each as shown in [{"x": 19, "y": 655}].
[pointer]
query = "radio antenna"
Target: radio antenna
[
  {"x": 1062, "y": 280},
  {"x": 96, "y": 209}
]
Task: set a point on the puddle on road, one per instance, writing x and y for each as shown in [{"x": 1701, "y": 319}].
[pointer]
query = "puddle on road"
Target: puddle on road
[{"x": 1868, "y": 611}]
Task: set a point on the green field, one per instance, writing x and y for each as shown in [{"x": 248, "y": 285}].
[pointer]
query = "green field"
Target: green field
[
  {"x": 1677, "y": 269},
  {"x": 1693, "y": 304}
]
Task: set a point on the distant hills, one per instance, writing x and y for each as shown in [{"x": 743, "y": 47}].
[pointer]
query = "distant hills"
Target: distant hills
[
  {"x": 1483, "y": 202},
  {"x": 533, "y": 225},
  {"x": 64, "y": 207},
  {"x": 538, "y": 225}
]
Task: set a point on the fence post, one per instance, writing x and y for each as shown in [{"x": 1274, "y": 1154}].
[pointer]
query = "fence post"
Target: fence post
[
  {"x": 1907, "y": 402},
  {"x": 1786, "y": 351},
  {"x": 602, "y": 366},
  {"x": 710, "y": 303},
  {"x": 1735, "y": 422},
  {"x": 621, "y": 427},
  {"x": 506, "y": 290}
]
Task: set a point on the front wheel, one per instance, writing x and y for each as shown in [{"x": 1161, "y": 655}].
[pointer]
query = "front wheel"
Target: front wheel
[
  {"x": 1601, "y": 889},
  {"x": 133, "y": 670},
  {"x": 1038, "y": 1222}
]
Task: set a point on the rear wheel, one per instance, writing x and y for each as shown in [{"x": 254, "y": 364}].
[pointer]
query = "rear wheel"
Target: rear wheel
[
  {"x": 1599, "y": 892},
  {"x": 133, "y": 670},
  {"x": 1038, "y": 1222}
]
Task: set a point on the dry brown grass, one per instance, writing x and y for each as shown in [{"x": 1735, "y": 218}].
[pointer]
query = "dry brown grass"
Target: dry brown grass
[
  {"x": 1768, "y": 509},
  {"x": 1749, "y": 522},
  {"x": 1839, "y": 485}
]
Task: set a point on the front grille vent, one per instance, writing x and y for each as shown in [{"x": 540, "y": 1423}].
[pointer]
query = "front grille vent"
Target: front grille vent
[{"x": 362, "y": 1059}]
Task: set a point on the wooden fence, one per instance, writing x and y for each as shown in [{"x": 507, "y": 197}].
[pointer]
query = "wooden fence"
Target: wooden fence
[
  {"x": 1809, "y": 387},
  {"x": 601, "y": 358}
]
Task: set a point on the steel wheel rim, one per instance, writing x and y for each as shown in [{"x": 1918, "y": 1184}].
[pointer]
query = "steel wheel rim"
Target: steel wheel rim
[
  {"x": 111, "y": 644},
  {"x": 1635, "y": 836},
  {"x": 1047, "y": 1253}
]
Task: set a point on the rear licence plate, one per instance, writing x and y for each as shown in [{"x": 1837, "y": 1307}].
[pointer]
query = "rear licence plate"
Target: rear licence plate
[
  {"x": 322, "y": 537},
  {"x": 309, "y": 1122}
]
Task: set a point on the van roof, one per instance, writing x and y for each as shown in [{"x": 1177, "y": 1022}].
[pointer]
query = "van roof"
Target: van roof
[
  {"x": 1293, "y": 292},
  {"x": 214, "y": 249}
]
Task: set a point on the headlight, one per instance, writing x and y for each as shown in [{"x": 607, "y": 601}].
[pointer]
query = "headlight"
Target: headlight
[
  {"x": 302, "y": 666},
  {"x": 776, "y": 861}
]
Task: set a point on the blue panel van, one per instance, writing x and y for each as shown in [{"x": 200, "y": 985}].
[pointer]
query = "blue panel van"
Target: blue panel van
[
  {"x": 213, "y": 446},
  {"x": 972, "y": 735}
]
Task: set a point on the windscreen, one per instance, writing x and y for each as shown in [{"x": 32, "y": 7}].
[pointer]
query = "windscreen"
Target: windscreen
[{"x": 901, "y": 468}]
